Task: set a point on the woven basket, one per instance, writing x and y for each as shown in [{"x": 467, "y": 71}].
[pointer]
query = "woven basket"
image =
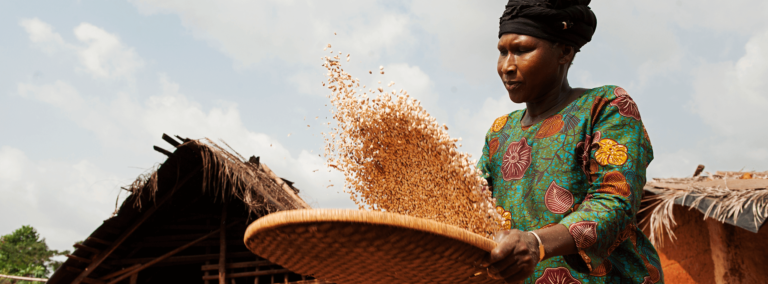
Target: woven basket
[{"x": 351, "y": 246}]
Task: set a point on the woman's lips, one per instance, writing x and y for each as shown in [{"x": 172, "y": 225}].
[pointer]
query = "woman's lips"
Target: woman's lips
[{"x": 511, "y": 85}]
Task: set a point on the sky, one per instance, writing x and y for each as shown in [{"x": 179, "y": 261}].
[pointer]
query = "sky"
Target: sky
[{"x": 88, "y": 87}]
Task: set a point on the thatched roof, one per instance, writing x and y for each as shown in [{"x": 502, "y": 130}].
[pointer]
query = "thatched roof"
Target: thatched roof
[
  {"x": 227, "y": 173},
  {"x": 736, "y": 198},
  {"x": 174, "y": 213}
]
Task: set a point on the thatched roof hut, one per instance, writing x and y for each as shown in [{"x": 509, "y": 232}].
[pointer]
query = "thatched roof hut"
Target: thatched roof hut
[
  {"x": 709, "y": 229},
  {"x": 184, "y": 223}
]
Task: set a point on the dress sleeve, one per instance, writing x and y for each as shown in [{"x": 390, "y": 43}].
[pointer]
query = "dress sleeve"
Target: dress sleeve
[
  {"x": 484, "y": 164},
  {"x": 615, "y": 158}
]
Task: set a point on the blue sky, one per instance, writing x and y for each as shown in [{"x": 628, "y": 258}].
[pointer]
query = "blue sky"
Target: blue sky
[{"x": 88, "y": 87}]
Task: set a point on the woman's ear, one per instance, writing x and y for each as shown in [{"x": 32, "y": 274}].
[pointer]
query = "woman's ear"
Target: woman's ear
[{"x": 567, "y": 53}]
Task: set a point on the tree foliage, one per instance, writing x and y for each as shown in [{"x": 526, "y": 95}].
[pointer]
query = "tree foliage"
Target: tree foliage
[{"x": 24, "y": 253}]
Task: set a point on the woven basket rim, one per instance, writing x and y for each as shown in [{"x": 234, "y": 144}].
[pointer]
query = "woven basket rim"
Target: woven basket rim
[{"x": 301, "y": 216}]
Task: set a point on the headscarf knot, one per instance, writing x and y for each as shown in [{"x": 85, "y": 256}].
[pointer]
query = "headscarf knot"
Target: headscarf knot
[{"x": 570, "y": 22}]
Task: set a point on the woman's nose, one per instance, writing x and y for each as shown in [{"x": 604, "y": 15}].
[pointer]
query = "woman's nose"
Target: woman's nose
[{"x": 509, "y": 65}]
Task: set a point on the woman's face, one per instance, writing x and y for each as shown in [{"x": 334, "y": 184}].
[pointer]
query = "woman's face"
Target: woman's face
[{"x": 529, "y": 67}]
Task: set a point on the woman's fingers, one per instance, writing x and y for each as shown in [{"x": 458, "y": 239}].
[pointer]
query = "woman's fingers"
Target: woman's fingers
[
  {"x": 518, "y": 263},
  {"x": 506, "y": 265},
  {"x": 506, "y": 246},
  {"x": 520, "y": 270},
  {"x": 511, "y": 270},
  {"x": 512, "y": 259}
]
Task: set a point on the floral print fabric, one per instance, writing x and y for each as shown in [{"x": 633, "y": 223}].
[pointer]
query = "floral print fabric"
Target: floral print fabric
[{"x": 582, "y": 168}]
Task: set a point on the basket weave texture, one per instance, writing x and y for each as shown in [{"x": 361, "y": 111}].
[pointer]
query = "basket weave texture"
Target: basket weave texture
[{"x": 352, "y": 246}]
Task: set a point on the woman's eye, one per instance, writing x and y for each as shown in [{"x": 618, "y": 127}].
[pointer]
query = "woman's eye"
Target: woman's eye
[{"x": 524, "y": 50}]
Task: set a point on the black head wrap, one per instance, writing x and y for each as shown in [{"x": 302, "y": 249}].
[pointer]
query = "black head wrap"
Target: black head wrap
[{"x": 570, "y": 22}]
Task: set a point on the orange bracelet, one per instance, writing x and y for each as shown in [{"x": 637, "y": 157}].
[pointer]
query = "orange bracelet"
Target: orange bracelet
[{"x": 541, "y": 246}]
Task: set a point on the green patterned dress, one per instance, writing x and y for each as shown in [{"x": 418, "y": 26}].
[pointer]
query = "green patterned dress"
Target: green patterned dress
[{"x": 582, "y": 168}]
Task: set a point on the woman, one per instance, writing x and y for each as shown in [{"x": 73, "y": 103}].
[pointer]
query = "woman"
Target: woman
[{"x": 568, "y": 171}]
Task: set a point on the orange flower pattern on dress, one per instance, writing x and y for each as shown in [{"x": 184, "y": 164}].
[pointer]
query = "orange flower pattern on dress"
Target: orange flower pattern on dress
[
  {"x": 558, "y": 199},
  {"x": 494, "y": 145},
  {"x": 627, "y": 106},
  {"x": 597, "y": 105},
  {"x": 582, "y": 168},
  {"x": 506, "y": 218},
  {"x": 602, "y": 269},
  {"x": 560, "y": 275},
  {"x": 611, "y": 152},
  {"x": 550, "y": 126},
  {"x": 615, "y": 183},
  {"x": 592, "y": 168},
  {"x": 516, "y": 160},
  {"x": 585, "y": 257},
  {"x": 499, "y": 123}
]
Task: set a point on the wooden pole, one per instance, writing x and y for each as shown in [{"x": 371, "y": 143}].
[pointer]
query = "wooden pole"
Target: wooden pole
[
  {"x": 255, "y": 273},
  {"x": 256, "y": 281},
  {"x": 134, "y": 278},
  {"x": 235, "y": 265},
  {"x": 167, "y": 255},
  {"x": 223, "y": 246},
  {"x": 186, "y": 259},
  {"x": 23, "y": 278},
  {"x": 698, "y": 171},
  {"x": 207, "y": 251},
  {"x": 86, "y": 248},
  {"x": 120, "y": 272},
  {"x": 104, "y": 254}
]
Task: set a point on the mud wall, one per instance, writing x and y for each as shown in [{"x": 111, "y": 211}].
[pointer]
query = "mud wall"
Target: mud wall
[{"x": 712, "y": 252}]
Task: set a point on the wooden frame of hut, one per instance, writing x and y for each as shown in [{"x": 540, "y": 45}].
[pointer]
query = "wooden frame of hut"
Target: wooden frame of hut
[
  {"x": 709, "y": 229},
  {"x": 184, "y": 223}
]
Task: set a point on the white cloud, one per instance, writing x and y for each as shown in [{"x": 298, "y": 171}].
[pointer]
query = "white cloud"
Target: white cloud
[
  {"x": 42, "y": 36},
  {"x": 50, "y": 194},
  {"x": 124, "y": 124},
  {"x": 641, "y": 33},
  {"x": 731, "y": 98},
  {"x": 736, "y": 16},
  {"x": 294, "y": 31},
  {"x": 59, "y": 94},
  {"x": 466, "y": 34},
  {"x": 101, "y": 54},
  {"x": 121, "y": 123}
]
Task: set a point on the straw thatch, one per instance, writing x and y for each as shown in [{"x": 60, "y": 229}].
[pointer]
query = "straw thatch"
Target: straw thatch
[
  {"x": 227, "y": 173},
  {"x": 167, "y": 227},
  {"x": 723, "y": 196}
]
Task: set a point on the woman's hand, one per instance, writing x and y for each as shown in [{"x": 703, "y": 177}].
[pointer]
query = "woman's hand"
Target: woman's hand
[{"x": 515, "y": 257}]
